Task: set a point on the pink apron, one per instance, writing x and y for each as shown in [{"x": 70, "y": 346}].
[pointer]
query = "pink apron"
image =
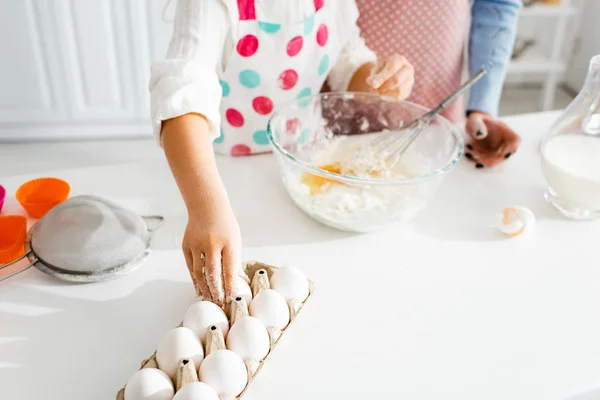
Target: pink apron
[
  {"x": 271, "y": 64},
  {"x": 430, "y": 34}
]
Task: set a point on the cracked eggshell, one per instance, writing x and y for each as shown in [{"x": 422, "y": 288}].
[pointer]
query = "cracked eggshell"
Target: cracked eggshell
[
  {"x": 271, "y": 309},
  {"x": 224, "y": 371},
  {"x": 249, "y": 339},
  {"x": 196, "y": 391},
  {"x": 516, "y": 221},
  {"x": 290, "y": 283},
  {"x": 177, "y": 344},
  {"x": 204, "y": 314},
  {"x": 149, "y": 384}
]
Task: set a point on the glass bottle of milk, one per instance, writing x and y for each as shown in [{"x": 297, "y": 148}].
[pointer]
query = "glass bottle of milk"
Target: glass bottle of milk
[{"x": 571, "y": 153}]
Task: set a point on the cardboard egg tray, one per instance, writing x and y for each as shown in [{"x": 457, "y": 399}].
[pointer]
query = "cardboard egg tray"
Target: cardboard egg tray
[{"x": 186, "y": 372}]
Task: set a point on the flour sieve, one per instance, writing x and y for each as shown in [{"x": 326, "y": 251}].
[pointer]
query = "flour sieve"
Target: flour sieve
[{"x": 88, "y": 239}]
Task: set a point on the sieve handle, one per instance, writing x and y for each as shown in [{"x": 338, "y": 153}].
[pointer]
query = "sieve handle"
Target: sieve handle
[
  {"x": 19, "y": 270},
  {"x": 153, "y": 222}
]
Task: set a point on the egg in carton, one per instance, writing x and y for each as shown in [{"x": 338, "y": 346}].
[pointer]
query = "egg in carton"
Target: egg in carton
[{"x": 232, "y": 358}]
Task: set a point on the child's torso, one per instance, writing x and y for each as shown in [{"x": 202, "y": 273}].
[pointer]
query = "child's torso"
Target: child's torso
[{"x": 271, "y": 63}]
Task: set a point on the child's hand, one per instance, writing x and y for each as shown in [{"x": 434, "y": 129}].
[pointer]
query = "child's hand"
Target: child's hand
[
  {"x": 392, "y": 77},
  {"x": 212, "y": 247},
  {"x": 493, "y": 141}
]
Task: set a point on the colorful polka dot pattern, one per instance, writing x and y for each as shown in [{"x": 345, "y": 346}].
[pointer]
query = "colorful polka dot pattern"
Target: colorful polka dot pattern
[
  {"x": 430, "y": 34},
  {"x": 304, "y": 97},
  {"x": 294, "y": 46},
  {"x": 268, "y": 27},
  {"x": 304, "y": 136},
  {"x": 247, "y": 46},
  {"x": 221, "y": 138},
  {"x": 234, "y": 117},
  {"x": 249, "y": 78},
  {"x": 324, "y": 65},
  {"x": 292, "y": 125},
  {"x": 240, "y": 150},
  {"x": 288, "y": 79},
  {"x": 225, "y": 89},
  {"x": 262, "y": 105},
  {"x": 260, "y": 137},
  {"x": 309, "y": 24},
  {"x": 247, "y": 81},
  {"x": 322, "y": 35}
]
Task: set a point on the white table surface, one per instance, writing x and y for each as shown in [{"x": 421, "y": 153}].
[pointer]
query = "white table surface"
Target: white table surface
[{"x": 442, "y": 309}]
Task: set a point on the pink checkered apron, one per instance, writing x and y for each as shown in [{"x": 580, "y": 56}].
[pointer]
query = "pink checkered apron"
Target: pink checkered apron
[{"x": 430, "y": 34}]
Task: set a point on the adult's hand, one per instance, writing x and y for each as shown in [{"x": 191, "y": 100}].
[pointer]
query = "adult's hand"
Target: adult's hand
[{"x": 492, "y": 141}]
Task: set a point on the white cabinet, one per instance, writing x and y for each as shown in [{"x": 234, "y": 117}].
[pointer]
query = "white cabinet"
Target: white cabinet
[
  {"x": 29, "y": 90},
  {"x": 78, "y": 68}
]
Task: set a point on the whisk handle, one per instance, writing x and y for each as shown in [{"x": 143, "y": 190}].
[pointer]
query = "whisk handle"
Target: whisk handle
[{"x": 472, "y": 80}]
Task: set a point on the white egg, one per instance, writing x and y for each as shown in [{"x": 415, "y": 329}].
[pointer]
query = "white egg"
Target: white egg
[
  {"x": 196, "y": 391},
  {"x": 515, "y": 221},
  {"x": 243, "y": 289},
  {"x": 271, "y": 308},
  {"x": 149, "y": 384},
  {"x": 290, "y": 283},
  {"x": 204, "y": 314},
  {"x": 178, "y": 343},
  {"x": 249, "y": 339},
  {"x": 225, "y": 372}
]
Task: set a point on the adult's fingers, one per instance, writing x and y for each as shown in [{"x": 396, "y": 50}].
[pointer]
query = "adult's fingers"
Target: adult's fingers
[
  {"x": 508, "y": 140},
  {"x": 399, "y": 93},
  {"x": 231, "y": 269},
  {"x": 197, "y": 274},
  {"x": 212, "y": 274},
  {"x": 395, "y": 94},
  {"x": 388, "y": 69},
  {"x": 401, "y": 78},
  {"x": 481, "y": 156},
  {"x": 476, "y": 127}
]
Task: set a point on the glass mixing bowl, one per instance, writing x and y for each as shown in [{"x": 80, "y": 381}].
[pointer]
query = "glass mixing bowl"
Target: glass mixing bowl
[{"x": 306, "y": 133}]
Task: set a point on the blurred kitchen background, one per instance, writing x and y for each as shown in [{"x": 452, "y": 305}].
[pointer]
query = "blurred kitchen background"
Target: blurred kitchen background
[{"x": 80, "y": 68}]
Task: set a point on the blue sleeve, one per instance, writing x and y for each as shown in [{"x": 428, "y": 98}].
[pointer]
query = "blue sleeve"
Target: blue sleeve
[{"x": 493, "y": 32}]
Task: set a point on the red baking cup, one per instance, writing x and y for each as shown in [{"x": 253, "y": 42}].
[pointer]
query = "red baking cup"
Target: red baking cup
[
  {"x": 2, "y": 196},
  {"x": 40, "y": 195},
  {"x": 13, "y": 229}
]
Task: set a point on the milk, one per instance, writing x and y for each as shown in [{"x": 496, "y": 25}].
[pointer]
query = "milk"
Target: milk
[{"x": 571, "y": 165}]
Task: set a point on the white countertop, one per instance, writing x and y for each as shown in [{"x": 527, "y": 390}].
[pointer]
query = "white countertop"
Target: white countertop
[{"x": 442, "y": 309}]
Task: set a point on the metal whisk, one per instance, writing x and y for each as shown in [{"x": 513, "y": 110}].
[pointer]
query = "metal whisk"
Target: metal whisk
[{"x": 389, "y": 146}]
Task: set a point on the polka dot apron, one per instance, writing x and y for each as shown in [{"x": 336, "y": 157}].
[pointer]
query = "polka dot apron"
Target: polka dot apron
[
  {"x": 430, "y": 34},
  {"x": 271, "y": 64}
]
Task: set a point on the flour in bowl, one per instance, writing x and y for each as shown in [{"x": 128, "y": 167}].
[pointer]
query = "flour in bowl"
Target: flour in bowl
[{"x": 360, "y": 206}]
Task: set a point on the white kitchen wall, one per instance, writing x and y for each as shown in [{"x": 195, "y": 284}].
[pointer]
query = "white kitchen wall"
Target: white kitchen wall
[
  {"x": 586, "y": 46},
  {"x": 78, "y": 68}
]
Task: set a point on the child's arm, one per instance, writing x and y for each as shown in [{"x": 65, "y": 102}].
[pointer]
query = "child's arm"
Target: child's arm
[
  {"x": 212, "y": 240},
  {"x": 185, "y": 97}
]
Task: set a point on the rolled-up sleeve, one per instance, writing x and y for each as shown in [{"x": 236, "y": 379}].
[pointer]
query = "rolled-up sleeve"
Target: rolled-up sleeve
[
  {"x": 186, "y": 81},
  {"x": 493, "y": 30},
  {"x": 353, "y": 53}
]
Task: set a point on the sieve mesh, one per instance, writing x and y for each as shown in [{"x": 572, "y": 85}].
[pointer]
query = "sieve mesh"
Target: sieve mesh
[{"x": 89, "y": 234}]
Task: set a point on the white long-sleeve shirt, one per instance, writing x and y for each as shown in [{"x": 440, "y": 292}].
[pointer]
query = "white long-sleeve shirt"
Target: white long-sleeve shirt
[{"x": 203, "y": 39}]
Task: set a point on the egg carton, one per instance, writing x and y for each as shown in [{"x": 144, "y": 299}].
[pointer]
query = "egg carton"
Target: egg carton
[{"x": 261, "y": 274}]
